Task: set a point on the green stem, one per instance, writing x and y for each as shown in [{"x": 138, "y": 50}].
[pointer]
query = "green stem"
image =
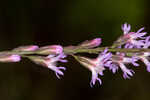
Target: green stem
[
  {"x": 97, "y": 50},
  {"x": 82, "y": 50}
]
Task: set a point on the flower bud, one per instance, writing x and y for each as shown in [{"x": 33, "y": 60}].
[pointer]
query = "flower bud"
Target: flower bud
[
  {"x": 9, "y": 58},
  {"x": 91, "y": 43},
  {"x": 52, "y": 49},
  {"x": 27, "y": 48}
]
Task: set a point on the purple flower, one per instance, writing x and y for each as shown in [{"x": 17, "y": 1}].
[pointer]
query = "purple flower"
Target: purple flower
[
  {"x": 119, "y": 60},
  {"x": 126, "y": 72},
  {"x": 144, "y": 57},
  {"x": 96, "y": 66},
  {"x": 113, "y": 67},
  {"x": 132, "y": 38},
  {"x": 51, "y": 62},
  {"x": 147, "y": 42},
  {"x": 126, "y": 28}
]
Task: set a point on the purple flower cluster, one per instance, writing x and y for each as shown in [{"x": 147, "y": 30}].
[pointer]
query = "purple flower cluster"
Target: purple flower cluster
[
  {"x": 48, "y": 56},
  {"x": 133, "y": 39},
  {"x": 119, "y": 60},
  {"x": 137, "y": 40}
]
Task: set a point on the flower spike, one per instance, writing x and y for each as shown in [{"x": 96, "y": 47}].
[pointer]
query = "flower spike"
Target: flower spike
[{"x": 127, "y": 49}]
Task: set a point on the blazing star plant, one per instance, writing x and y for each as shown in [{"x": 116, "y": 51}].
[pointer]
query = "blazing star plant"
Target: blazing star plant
[{"x": 127, "y": 49}]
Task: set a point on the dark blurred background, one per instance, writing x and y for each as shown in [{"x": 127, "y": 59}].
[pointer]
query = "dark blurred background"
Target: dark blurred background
[{"x": 68, "y": 22}]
